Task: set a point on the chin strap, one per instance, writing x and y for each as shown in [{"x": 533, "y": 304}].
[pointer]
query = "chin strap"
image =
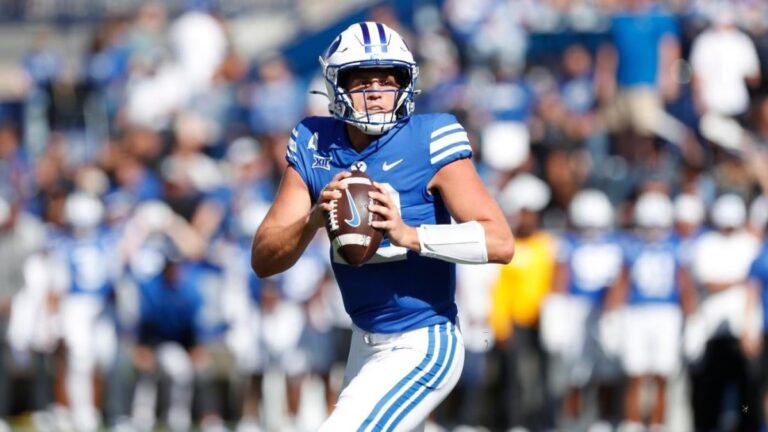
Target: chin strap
[{"x": 458, "y": 243}]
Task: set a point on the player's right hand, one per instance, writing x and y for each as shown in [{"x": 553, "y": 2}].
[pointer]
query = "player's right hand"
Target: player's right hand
[{"x": 331, "y": 191}]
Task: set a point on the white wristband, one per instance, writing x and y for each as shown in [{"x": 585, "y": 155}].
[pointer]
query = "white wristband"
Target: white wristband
[{"x": 459, "y": 243}]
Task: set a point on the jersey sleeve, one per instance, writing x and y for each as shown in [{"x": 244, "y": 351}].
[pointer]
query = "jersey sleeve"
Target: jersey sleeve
[
  {"x": 749, "y": 57},
  {"x": 295, "y": 153},
  {"x": 756, "y": 269},
  {"x": 629, "y": 246},
  {"x": 448, "y": 142},
  {"x": 564, "y": 249}
]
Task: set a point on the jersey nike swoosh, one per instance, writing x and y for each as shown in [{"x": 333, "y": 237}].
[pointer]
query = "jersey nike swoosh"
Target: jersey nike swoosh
[
  {"x": 387, "y": 166},
  {"x": 355, "y": 221}
]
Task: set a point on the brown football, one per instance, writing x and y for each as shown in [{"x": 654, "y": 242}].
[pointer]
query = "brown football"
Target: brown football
[{"x": 349, "y": 222}]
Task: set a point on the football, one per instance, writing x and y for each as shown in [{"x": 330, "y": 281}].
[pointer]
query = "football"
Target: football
[{"x": 349, "y": 221}]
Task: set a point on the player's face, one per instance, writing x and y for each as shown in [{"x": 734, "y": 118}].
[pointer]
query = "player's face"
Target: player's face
[{"x": 373, "y": 90}]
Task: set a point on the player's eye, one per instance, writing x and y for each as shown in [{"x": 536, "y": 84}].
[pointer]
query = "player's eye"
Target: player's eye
[{"x": 391, "y": 83}]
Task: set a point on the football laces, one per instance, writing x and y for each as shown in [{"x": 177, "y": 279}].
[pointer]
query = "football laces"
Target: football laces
[{"x": 333, "y": 215}]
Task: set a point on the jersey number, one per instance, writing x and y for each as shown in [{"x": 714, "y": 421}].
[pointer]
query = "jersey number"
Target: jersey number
[
  {"x": 596, "y": 266},
  {"x": 89, "y": 268},
  {"x": 654, "y": 274}
]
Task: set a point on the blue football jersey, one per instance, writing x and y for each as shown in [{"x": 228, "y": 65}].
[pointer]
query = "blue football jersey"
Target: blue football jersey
[
  {"x": 653, "y": 267},
  {"x": 169, "y": 306},
  {"x": 91, "y": 261},
  {"x": 594, "y": 263},
  {"x": 397, "y": 290}
]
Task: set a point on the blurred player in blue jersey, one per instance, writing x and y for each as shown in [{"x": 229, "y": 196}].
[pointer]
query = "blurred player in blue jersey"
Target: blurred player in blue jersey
[
  {"x": 86, "y": 255},
  {"x": 589, "y": 261},
  {"x": 654, "y": 284},
  {"x": 407, "y": 352}
]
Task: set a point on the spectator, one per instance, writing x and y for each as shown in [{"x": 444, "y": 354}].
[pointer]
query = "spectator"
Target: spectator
[
  {"x": 277, "y": 101},
  {"x": 635, "y": 77},
  {"x": 724, "y": 62}
]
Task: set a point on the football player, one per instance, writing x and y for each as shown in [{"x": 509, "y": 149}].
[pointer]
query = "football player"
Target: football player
[
  {"x": 86, "y": 268},
  {"x": 407, "y": 352},
  {"x": 655, "y": 286},
  {"x": 589, "y": 260},
  {"x": 720, "y": 264}
]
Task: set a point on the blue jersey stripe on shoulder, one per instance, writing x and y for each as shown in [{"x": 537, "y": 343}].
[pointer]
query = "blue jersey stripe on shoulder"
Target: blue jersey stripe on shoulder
[
  {"x": 447, "y": 140},
  {"x": 450, "y": 151}
]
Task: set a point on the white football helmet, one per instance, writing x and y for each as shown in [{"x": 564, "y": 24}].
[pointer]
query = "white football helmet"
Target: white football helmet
[
  {"x": 689, "y": 209},
  {"x": 654, "y": 210},
  {"x": 524, "y": 192},
  {"x": 729, "y": 211},
  {"x": 591, "y": 209},
  {"x": 369, "y": 45},
  {"x": 83, "y": 210}
]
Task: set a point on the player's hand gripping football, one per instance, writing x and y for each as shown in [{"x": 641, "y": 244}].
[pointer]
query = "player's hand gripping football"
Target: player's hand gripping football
[
  {"x": 399, "y": 233},
  {"x": 330, "y": 192}
]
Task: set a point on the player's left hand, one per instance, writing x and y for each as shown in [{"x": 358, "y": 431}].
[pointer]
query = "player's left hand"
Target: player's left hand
[{"x": 399, "y": 233}]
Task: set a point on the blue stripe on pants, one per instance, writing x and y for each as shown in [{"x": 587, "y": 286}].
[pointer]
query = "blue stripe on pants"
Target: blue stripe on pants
[
  {"x": 425, "y": 390},
  {"x": 391, "y": 393}
]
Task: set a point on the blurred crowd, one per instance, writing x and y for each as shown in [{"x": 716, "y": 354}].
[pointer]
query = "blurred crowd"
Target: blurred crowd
[{"x": 134, "y": 174}]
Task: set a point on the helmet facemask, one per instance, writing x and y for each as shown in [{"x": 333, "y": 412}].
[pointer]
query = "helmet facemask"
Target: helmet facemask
[{"x": 375, "y": 123}]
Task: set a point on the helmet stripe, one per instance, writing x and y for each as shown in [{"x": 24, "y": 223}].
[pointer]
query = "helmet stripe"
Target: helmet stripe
[
  {"x": 382, "y": 37},
  {"x": 366, "y": 37},
  {"x": 334, "y": 46}
]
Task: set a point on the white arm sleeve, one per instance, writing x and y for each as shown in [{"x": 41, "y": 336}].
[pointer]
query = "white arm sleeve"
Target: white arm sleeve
[{"x": 459, "y": 243}]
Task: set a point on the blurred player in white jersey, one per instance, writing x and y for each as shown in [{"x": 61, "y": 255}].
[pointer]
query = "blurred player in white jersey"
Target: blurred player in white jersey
[
  {"x": 407, "y": 352},
  {"x": 721, "y": 262}
]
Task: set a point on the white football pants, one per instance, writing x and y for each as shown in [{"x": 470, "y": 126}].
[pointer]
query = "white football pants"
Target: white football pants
[{"x": 393, "y": 381}]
